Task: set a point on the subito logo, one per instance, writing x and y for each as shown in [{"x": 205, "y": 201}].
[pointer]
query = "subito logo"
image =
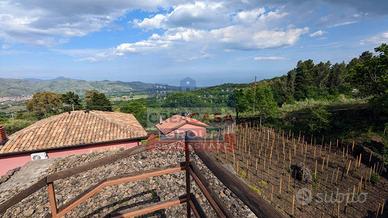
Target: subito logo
[{"x": 304, "y": 196}]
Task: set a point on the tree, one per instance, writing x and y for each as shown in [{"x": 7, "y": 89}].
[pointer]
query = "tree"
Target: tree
[
  {"x": 261, "y": 101},
  {"x": 183, "y": 99},
  {"x": 281, "y": 91},
  {"x": 138, "y": 108},
  {"x": 336, "y": 79},
  {"x": 370, "y": 72},
  {"x": 97, "y": 101},
  {"x": 318, "y": 119},
  {"x": 43, "y": 104},
  {"x": 239, "y": 101},
  {"x": 72, "y": 101},
  {"x": 303, "y": 79}
]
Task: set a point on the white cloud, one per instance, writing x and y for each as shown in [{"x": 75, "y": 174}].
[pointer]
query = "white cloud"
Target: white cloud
[
  {"x": 249, "y": 16},
  {"x": 345, "y": 23},
  {"x": 239, "y": 37},
  {"x": 90, "y": 55},
  {"x": 157, "y": 42},
  {"x": 156, "y": 21},
  {"x": 232, "y": 37},
  {"x": 44, "y": 22},
  {"x": 268, "y": 58},
  {"x": 377, "y": 39},
  {"x": 317, "y": 33},
  {"x": 194, "y": 15},
  {"x": 215, "y": 25}
]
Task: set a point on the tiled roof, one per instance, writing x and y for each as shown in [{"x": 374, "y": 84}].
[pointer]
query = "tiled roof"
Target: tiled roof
[
  {"x": 72, "y": 129},
  {"x": 177, "y": 121}
]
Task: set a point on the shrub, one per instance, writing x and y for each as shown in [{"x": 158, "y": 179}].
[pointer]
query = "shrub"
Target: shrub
[{"x": 375, "y": 178}]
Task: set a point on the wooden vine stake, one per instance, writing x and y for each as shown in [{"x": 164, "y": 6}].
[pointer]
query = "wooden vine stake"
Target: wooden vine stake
[
  {"x": 280, "y": 186},
  {"x": 289, "y": 182},
  {"x": 336, "y": 176},
  {"x": 338, "y": 208},
  {"x": 378, "y": 210},
  {"x": 293, "y": 205},
  {"x": 347, "y": 171},
  {"x": 323, "y": 163}
]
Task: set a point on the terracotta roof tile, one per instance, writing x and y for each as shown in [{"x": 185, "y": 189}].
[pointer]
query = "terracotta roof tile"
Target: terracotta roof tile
[
  {"x": 177, "y": 121},
  {"x": 75, "y": 128}
]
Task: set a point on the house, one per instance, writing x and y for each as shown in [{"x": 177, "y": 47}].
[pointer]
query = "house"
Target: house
[
  {"x": 177, "y": 125},
  {"x": 75, "y": 132}
]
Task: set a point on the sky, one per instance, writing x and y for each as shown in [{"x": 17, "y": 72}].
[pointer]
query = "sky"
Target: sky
[{"x": 164, "y": 41}]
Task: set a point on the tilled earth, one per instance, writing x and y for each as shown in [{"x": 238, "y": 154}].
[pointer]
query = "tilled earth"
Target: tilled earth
[{"x": 124, "y": 196}]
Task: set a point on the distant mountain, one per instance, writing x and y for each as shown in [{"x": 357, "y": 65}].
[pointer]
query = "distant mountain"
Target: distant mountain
[{"x": 20, "y": 87}]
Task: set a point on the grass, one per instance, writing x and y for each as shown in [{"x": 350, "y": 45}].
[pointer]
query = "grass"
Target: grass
[
  {"x": 309, "y": 103},
  {"x": 375, "y": 178},
  {"x": 242, "y": 174},
  {"x": 256, "y": 189}
]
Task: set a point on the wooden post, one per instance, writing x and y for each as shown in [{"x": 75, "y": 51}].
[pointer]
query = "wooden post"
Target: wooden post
[
  {"x": 330, "y": 146},
  {"x": 332, "y": 177},
  {"x": 280, "y": 186},
  {"x": 272, "y": 188},
  {"x": 316, "y": 165},
  {"x": 338, "y": 207},
  {"x": 378, "y": 210},
  {"x": 52, "y": 200},
  {"x": 289, "y": 182},
  {"x": 347, "y": 171},
  {"x": 293, "y": 205},
  {"x": 289, "y": 156},
  {"x": 323, "y": 163}
]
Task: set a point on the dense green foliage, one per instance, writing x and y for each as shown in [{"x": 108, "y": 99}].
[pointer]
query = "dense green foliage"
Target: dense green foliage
[
  {"x": 44, "y": 104},
  {"x": 71, "y": 101},
  {"x": 366, "y": 75},
  {"x": 14, "y": 125},
  {"x": 136, "y": 107},
  {"x": 97, "y": 101}
]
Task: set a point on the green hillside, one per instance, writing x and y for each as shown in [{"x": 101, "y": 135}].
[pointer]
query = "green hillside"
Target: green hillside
[{"x": 25, "y": 87}]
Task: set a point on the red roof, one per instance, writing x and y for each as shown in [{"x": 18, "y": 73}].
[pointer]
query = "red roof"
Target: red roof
[
  {"x": 73, "y": 129},
  {"x": 177, "y": 121}
]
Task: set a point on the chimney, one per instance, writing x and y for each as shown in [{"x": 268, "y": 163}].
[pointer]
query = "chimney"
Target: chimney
[{"x": 3, "y": 136}]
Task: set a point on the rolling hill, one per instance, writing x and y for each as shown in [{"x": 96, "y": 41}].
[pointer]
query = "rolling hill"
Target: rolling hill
[{"x": 25, "y": 87}]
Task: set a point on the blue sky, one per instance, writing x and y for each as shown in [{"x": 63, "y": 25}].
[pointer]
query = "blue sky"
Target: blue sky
[{"x": 164, "y": 41}]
